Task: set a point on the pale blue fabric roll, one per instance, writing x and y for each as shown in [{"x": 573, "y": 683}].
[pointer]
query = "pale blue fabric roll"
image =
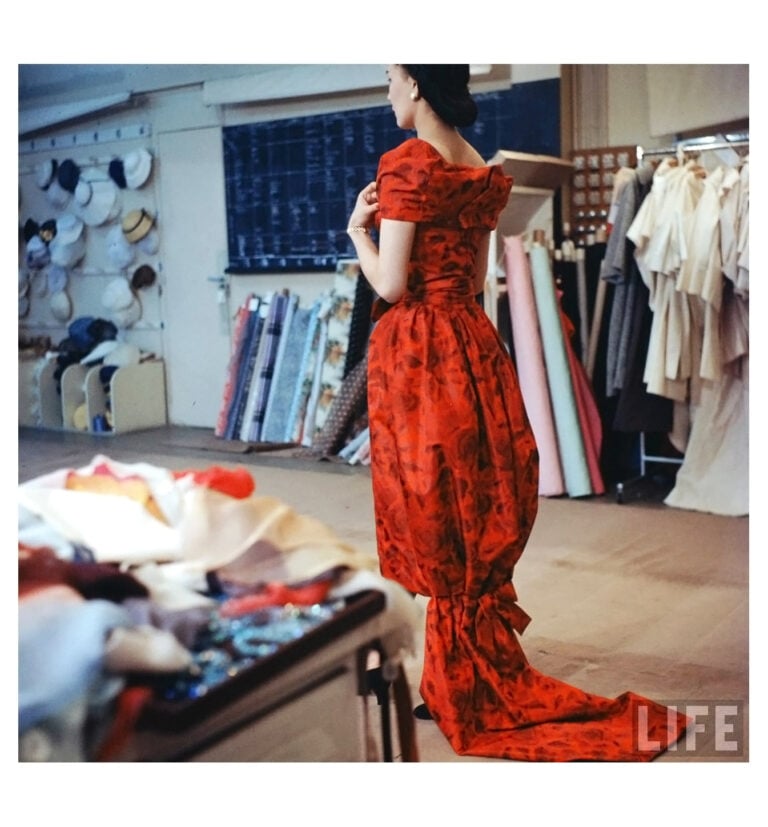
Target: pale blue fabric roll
[
  {"x": 281, "y": 398},
  {"x": 569, "y": 437},
  {"x": 300, "y": 391}
]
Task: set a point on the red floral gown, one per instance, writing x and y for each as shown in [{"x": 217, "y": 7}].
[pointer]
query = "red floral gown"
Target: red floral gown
[{"x": 455, "y": 484}]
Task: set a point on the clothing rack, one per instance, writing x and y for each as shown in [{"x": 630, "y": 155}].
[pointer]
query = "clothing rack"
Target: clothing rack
[{"x": 694, "y": 145}]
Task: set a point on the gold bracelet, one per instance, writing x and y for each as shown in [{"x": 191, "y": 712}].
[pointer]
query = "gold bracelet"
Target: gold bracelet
[{"x": 357, "y": 229}]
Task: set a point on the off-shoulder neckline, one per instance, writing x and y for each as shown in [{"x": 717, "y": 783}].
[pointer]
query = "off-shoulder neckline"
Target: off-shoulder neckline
[{"x": 436, "y": 152}]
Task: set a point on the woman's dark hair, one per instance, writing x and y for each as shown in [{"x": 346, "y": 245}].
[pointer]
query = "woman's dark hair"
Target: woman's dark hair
[{"x": 445, "y": 88}]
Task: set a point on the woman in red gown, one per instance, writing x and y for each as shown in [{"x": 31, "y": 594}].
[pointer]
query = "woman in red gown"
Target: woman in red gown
[{"x": 453, "y": 460}]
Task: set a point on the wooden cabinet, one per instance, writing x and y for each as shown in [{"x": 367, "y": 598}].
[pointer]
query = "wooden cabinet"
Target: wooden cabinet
[{"x": 132, "y": 398}]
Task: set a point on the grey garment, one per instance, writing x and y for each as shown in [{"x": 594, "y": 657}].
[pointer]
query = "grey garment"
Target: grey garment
[
  {"x": 618, "y": 268},
  {"x": 636, "y": 409}
]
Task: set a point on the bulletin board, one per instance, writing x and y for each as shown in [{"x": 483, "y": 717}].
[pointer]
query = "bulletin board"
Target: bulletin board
[{"x": 290, "y": 184}]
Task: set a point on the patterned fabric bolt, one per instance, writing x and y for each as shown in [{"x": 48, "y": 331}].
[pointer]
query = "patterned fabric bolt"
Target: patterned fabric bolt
[{"x": 455, "y": 482}]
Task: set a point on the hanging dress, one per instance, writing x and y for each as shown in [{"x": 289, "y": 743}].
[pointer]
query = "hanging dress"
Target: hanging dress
[{"x": 455, "y": 485}]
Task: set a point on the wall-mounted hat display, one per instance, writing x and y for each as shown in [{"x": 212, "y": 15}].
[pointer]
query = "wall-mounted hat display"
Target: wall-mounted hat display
[
  {"x": 84, "y": 194},
  {"x": 136, "y": 225},
  {"x": 137, "y": 165},
  {"x": 119, "y": 250}
]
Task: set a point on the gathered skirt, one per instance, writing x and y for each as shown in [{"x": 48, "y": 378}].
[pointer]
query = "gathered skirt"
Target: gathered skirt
[{"x": 454, "y": 470}]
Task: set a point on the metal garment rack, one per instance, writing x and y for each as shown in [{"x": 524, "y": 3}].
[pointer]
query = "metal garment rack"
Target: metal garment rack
[{"x": 695, "y": 145}]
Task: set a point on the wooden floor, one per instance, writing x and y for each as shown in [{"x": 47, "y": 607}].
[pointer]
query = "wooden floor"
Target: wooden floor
[{"x": 636, "y": 596}]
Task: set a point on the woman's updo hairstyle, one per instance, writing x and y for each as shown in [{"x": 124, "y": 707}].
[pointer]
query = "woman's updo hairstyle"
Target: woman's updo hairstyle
[{"x": 445, "y": 88}]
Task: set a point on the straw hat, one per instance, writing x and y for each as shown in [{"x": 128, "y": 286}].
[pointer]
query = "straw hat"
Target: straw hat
[{"x": 137, "y": 224}]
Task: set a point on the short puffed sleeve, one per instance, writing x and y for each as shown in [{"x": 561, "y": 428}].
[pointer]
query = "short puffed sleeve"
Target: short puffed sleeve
[{"x": 402, "y": 185}]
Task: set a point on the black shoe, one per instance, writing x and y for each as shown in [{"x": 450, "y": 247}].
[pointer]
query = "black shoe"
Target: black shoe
[{"x": 422, "y": 713}]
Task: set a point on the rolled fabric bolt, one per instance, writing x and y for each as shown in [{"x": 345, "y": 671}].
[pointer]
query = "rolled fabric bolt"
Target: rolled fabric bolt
[
  {"x": 531, "y": 370},
  {"x": 567, "y": 425}
]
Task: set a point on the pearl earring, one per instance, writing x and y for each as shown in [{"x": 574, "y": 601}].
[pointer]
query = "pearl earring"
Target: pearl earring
[{"x": 414, "y": 95}]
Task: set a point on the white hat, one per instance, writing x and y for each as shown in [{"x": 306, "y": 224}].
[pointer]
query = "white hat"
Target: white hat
[
  {"x": 127, "y": 316},
  {"x": 120, "y": 251},
  {"x": 150, "y": 244},
  {"x": 117, "y": 294},
  {"x": 23, "y": 282},
  {"x": 122, "y": 355},
  {"x": 137, "y": 165},
  {"x": 68, "y": 245},
  {"x": 57, "y": 278},
  {"x": 95, "y": 200},
  {"x": 61, "y": 306},
  {"x": 57, "y": 196},
  {"x": 69, "y": 228},
  {"x": 45, "y": 172},
  {"x": 101, "y": 351},
  {"x": 38, "y": 283}
]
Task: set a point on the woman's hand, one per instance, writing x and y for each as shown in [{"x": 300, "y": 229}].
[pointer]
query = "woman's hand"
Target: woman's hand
[{"x": 365, "y": 207}]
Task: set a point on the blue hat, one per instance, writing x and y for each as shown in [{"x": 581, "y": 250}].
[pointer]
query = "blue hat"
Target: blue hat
[
  {"x": 68, "y": 175},
  {"x": 117, "y": 173}
]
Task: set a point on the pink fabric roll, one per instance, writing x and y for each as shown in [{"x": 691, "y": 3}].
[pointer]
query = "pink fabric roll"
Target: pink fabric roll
[
  {"x": 531, "y": 370},
  {"x": 586, "y": 407}
]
